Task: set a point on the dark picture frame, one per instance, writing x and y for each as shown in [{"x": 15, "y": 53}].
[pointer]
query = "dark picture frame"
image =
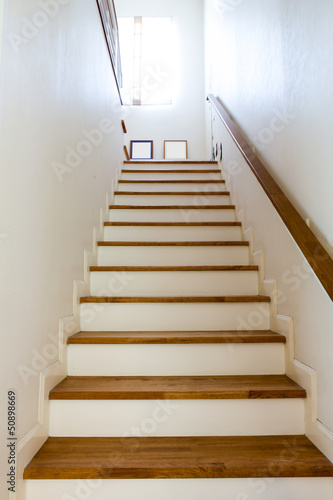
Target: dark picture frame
[{"x": 142, "y": 150}]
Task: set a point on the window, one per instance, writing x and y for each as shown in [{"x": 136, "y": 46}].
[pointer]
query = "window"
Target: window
[{"x": 146, "y": 46}]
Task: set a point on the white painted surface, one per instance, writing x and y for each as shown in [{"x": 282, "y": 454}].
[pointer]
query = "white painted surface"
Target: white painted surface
[
  {"x": 2, "y": 13},
  {"x": 151, "y": 165},
  {"x": 173, "y": 233},
  {"x": 270, "y": 63},
  {"x": 178, "y": 359},
  {"x": 174, "y": 316},
  {"x": 186, "y": 489},
  {"x": 177, "y": 418},
  {"x": 191, "y": 214},
  {"x": 195, "y": 188},
  {"x": 184, "y": 119},
  {"x": 173, "y": 256},
  {"x": 173, "y": 283},
  {"x": 54, "y": 87},
  {"x": 299, "y": 294},
  {"x": 196, "y": 200},
  {"x": 205, "y": 176}
]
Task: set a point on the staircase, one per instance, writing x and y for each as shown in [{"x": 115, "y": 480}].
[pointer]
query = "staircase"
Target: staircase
[{"x": 167, "y": 394}]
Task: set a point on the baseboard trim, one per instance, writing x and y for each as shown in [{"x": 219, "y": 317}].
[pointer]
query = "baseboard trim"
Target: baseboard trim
[{"x": 53, "y": 374}]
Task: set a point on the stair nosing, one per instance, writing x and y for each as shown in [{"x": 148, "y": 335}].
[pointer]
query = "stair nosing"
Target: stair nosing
[
  {"x": 176, "y": 171},
  {"x": 172, "y": 207},
  {"x": 170, "y": 181},
  {"x": 171, "y": 193},
  {"x": 193, "y": 337},
  {"x": 174, "y": 243},
  {"x": 176, "y": 300},
  {"x": 194, "y": 457},
  {"x": 176, "y": 224},
  {"x": 170, "y": 162},
  {"x": 173, "y": 268},
  {"x": 177, "y": 387}
]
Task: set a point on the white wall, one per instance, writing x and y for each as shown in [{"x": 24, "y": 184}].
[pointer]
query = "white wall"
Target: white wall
[
  {"x": 2, "y": 8},
  {"x": 264, "y": 59},
  {"x": 57, "y": 83},
  {"x": 184, "y": 119},
  {"x": 267, "y": 61},
  {"x": 3, "y": 4},
  {"x": 301, "y": 308}
]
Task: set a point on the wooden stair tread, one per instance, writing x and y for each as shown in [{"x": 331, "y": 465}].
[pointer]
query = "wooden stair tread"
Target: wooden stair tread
[
  {"x": 173, "y": 387},
  {"x": 175, "y": 300},
  {"x": 175, "y": 224},
  {"x": 172, "y": 207},
  {"x": 171, "y": 193},
  {"x": 174, "y": 243},
  {"x": 171, "y": 181},
  {"x": 169, "y": 162},
  {"x": 178, "y": 457},
  {"x": 223, "y": 337},
  {"x": 172, "y": 268},
  {"x": 177, "y": 171}
]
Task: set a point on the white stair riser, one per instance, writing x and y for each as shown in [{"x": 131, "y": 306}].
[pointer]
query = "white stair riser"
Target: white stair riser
[
  {"x": 182, "y": 489},
  {"x": 172, "y": 233},
  {"x": 174, "y": 316},
  {"x": 173, "y": 283},
  {"x": 177, "y": 418},
  {"x": 174, "y": 187},
  {"x": 181, "y": 176},
  {"x": 175, "y": 359},
  {"x": 173, "y": 256},
  {"x": 169, "y": 166},
  {"x": 194, "y": 201},
  {"x": 171, "y": 215}
]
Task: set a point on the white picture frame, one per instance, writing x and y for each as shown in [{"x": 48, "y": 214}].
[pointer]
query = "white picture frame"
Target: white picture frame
[{"x": 175, "y": 150}]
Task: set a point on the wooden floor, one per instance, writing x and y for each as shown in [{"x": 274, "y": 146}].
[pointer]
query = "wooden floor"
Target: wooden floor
[
  {"x": 233, "y": 337},
  {"x": 178, "y": 457},
  {"x": 218, "y": 387}
]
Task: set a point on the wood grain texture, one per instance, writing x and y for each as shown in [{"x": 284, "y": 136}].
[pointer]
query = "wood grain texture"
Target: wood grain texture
[
  {"x": 126, "y": 152},
  {"x": 222, "y": 337},
  {"x": 171, "y": 193},
  {"x": 174, "y": 300},
  {"x": 165, "y": 181},
  {"x": 171, "y": 268},
  {"x": 143, "y": 388},
  {"x": 169, "y": 162},
  {"x": 178, "y": 457},
  {"x": 312, "y": 249},
  {"x": 173, "y": 243},
  {"x": 179, "y": 171},
  {"x": 175, "y": 224},
  {"x": 172, "y": 207}
]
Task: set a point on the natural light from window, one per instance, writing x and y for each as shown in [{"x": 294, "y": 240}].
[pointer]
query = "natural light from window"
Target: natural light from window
[{"x": 147, "y": 57}]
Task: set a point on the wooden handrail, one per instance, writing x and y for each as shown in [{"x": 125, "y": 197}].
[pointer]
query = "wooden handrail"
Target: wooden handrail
[
  {"x": 312, "y": 249},
  {"x": 126, "y": 153},
  {"x": 109, "y": 21}
]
